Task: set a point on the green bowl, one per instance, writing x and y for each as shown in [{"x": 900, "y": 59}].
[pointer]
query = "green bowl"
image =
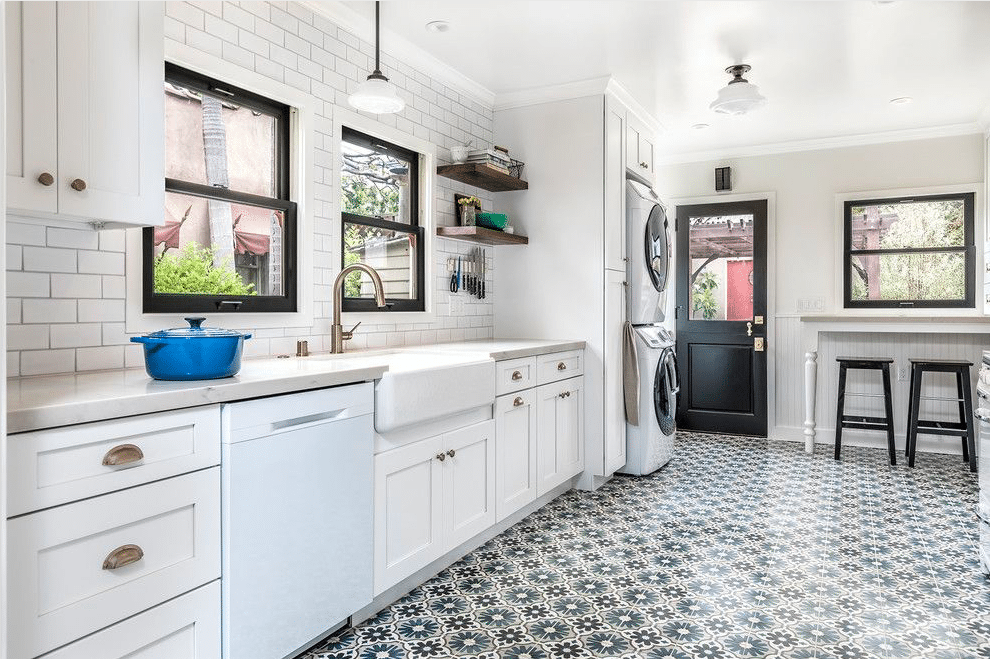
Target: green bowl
[{"x": 495, "y": 221}]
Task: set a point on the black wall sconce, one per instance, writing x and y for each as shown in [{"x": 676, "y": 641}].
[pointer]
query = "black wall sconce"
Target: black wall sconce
[{"x": 723, "y": 181}]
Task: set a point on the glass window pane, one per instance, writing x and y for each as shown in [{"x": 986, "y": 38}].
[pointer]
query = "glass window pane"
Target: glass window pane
[
  {"x": 391, "y": 253},
  {"x": 892, "y": 277},
  {"x": 721, "y": 267},
  {"x": 213, "y": 247},
  {"x": 214, "y": 142},
  {"x": 908, "y": 224},
  {"x": 375, "y": 184}
]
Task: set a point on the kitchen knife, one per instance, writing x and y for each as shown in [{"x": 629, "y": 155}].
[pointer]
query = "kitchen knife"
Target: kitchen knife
[{"x": 484, "y": 271}]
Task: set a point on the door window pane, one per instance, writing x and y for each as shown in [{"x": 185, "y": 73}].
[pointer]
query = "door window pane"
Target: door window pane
[
  {"x": 216, "y": 247},
  {"x": 925, "y": 276},
  {"x": 375, "y": 183},
  {"x": 721, "y": 267},
  {"x": 391, "y": 252},
  {"x": 214, "y": 141}
]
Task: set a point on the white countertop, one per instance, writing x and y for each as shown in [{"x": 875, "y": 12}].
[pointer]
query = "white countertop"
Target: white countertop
[{"x": 50, "y": 401}]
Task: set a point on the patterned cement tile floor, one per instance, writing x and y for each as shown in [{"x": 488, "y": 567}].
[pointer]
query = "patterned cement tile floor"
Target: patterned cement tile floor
[{"x": 737, "y": 548}]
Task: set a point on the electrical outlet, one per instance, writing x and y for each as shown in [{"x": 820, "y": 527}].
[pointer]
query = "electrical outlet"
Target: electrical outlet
[{"x": 902, "y": 374}]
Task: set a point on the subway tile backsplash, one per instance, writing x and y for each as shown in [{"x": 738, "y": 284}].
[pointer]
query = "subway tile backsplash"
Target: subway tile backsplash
[{"x": 66, "y": 286}]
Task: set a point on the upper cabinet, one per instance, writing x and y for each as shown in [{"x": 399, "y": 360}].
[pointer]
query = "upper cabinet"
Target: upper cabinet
[
  {"x": 85, "y": 111},
  {"x": 639, "y": 147}
]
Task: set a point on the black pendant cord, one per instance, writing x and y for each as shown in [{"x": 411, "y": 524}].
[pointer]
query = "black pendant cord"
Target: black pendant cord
[{"x": 378, "y": 65}]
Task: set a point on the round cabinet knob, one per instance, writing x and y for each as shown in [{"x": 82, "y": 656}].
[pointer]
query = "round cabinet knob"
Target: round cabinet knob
[
  {"x": 78, "y": 185},
  {"x": 441, "y": 457},
  {"x": 562, "y": 394},
  {"x": 644, "y": 165},
  {"x": 46, "y": 179},
  {"x": 451, "y": 452},
  {"x": 518, "y": 401}
]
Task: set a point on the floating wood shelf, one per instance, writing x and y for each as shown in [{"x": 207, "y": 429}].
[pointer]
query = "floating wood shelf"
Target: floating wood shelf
[
  {"x": 482, "y": 176},
  {"x": 482, "y": 235}
]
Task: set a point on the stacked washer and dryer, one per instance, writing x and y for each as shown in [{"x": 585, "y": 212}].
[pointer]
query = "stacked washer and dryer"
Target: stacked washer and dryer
[{"x": 650, "y": 442}]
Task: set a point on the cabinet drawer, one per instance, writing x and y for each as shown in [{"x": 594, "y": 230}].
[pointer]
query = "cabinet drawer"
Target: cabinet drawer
[
  {"x": 187, "y": 627},
  {"x": 515, "y": 375},
  {"x": 52, "y": 467},
  {"x": 61, "y": 572},
  {"x": 559, "y": 365}
]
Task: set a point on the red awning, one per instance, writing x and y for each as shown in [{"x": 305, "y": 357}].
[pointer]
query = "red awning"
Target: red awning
[
  {"x": 250, "y": 243},
  {"x": 168, "y": 234}
]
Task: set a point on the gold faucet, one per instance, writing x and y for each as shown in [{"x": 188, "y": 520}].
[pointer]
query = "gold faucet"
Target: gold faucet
[{"x": 337, "y": 333}]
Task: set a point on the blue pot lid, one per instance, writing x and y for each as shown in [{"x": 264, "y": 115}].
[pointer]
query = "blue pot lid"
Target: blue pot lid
[{"x": 194, "y": 331}]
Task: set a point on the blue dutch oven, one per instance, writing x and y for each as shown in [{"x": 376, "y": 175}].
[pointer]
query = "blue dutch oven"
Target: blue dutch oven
[{"x": 192, "y": 353}]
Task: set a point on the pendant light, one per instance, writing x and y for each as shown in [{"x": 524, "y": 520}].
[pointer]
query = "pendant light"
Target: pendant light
[
  {"x": 740, "y": 95},
  {"x": 376, "y": 94}
]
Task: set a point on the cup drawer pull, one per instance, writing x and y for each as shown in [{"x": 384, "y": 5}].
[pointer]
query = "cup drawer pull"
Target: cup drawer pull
[
  {"x": 122, "y": 455},
  {"x": 561, "y": 366},
  {"x": 121, "y": 556},
  {"x": 518, "y": 401},
  {"x": 516, "y": 376}
]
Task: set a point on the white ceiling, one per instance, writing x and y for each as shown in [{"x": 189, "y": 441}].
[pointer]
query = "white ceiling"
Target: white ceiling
[{"x": 827, "y": 68}]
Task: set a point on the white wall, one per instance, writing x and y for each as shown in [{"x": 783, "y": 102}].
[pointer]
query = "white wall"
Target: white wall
[
  {"x": 67, "y": 286},
  {"x": 807, "y": 234}
]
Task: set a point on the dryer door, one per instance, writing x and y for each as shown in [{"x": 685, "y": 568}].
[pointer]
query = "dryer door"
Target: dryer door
[{"x": 657, "y": 246}]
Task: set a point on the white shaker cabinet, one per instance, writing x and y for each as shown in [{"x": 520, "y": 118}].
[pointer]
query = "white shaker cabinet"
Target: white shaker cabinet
[
  {"x": 431, "y": 496},
  {"x": 615, "y": 412},
  {"x": 408, "y": 510},
  {"x": 515, "y": 429},
  {"x": 85, "y": 108},
  {"x": 615, "y": 185},
  {"x": 639, "y": 148},
  {"x": 560, "y": 432}
]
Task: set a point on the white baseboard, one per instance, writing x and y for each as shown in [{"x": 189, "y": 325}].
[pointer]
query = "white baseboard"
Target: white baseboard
[{"x": 869, "y": 439}]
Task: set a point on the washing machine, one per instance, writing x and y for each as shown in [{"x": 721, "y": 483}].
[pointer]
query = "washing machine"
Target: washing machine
[
  {"x": 650, "y": 444},
  {"x": 649, "y": 250}
]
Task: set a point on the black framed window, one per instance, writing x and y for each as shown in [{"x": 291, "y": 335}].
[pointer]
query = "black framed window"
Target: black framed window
[
  {"x": 917, "y": 251},
  {"x": 380, "y": 222},
  {"x": 229, "y": 238}
]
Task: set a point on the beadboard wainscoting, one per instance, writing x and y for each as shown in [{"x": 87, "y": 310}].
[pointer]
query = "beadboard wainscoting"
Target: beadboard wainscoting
[
  {"x": 789, "y": 360},
  {"x": 67, "y": 287}
]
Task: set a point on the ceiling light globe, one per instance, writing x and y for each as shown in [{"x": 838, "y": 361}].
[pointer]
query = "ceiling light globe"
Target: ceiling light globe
[
  {"x": 376, "y": 95},
  {"x": 738, "y": 98}
]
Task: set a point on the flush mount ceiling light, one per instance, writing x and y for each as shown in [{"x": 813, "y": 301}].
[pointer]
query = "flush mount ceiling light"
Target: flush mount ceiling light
[
  {"x": 437, "y": 26},
  {"x": 699, "y": 126},
  {"x": 740, "y": 95},
  {"x": 901, "y": 100},
  {"x": 376, "y": 94}
]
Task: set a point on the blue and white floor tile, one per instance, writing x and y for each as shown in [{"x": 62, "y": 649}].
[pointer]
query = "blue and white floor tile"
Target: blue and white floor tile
[{"x": 737, "y": 548}]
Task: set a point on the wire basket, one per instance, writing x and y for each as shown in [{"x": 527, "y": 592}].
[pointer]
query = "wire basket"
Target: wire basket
[{"x": 515, "y": 169}]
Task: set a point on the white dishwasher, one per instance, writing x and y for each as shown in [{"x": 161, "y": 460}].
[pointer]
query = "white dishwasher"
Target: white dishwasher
[{"x": 297, "y": 518}]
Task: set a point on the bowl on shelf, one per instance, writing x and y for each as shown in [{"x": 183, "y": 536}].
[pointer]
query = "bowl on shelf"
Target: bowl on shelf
[{"x": 495, "y": 221}]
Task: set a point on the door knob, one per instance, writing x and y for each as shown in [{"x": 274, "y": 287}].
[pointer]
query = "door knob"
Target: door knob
[
  {"x": 78, "y": 185},
  {"x": 749, "y": 329},
  {"x": 46, "y": 179}
]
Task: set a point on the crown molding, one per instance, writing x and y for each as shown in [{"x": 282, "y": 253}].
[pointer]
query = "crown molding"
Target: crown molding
[
  {"x": 577, "y": 89},
  {"x": 837, "y": 142},
  {"x": 401, "y": 49}
]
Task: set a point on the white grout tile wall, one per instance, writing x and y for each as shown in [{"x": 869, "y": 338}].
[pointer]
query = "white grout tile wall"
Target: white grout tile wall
[{"x": 66, "y": 287}]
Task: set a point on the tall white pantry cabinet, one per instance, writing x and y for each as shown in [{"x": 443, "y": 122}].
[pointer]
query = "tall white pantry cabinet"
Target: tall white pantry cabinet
[
  {"x": 85, "y": 109},
  {"x": 570, "y": 281}
]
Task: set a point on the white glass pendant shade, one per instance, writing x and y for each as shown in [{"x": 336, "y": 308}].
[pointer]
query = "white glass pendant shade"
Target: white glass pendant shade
[
  {"x": 739, "y": 96},
  {"x": 376, "y": 95}
]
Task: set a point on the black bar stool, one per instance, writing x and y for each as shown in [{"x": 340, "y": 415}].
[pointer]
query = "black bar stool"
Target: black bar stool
[
  {"x": 881, "y": 364},
  {"x": 962, "y": 428}
]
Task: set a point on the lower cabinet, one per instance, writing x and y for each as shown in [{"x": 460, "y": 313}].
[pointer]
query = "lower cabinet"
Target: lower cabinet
[
  {"x": 187, "y": 627},
  {"x": 431, "y": 496},
  {"x": 559, "y": 433},
  {"x": 515, "y": 455}
]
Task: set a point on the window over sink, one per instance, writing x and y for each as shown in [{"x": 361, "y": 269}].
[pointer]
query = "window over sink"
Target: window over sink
[
  {"x": 229, "y": 238},
  {"x": 910, "y": 252}
]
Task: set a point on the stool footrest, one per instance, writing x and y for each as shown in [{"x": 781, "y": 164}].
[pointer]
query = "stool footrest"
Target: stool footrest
[{"x": 953, "y": 428}]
